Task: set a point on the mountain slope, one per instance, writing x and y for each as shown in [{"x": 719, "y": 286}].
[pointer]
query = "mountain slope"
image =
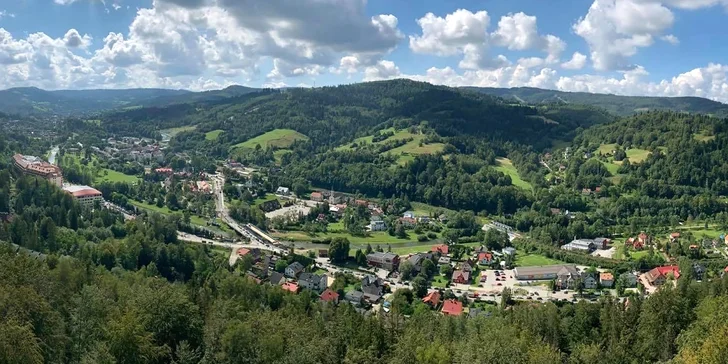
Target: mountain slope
[
  {"x": 34, "y": 101},
  {"x": 618, "y": 105}
]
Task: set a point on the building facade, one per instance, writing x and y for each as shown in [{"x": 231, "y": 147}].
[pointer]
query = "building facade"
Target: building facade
[
  {"x": 34, "y": 166},
  {"x": 85, "y": 195}
]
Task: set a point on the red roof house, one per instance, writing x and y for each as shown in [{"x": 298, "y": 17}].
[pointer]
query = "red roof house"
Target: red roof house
[
  {"x": 442, "y": 249},
  {"x": 329, "y": 296},
  {"x": 452, "y": 308},
  {"x": 290, "y": 287},
  {"x": 659, "y": 275},
  {"x": 243, "y": 252},
  {"x": 432, "y": 299},
  {"x": 460, "y": 277},
  {"x": 485, "y": 258}
]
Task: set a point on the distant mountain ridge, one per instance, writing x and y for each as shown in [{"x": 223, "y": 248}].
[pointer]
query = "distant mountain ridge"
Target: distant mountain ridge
[
  {"x": 615, "y": 104},
  {"x": 35, "y": 101}
]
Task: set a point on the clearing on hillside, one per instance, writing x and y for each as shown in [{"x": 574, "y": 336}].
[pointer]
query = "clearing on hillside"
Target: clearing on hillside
[
  {"x": 279, "y": 138},
  {"x": 213, "y": 135},
  {"x": 506, "y": 166}
]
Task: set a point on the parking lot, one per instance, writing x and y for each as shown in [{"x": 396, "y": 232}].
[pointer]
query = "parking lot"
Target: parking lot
[{"x": 494, "y": 283}]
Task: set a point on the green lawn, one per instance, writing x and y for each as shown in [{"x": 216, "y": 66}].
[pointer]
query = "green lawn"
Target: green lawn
[
  {"x": 703, "y": 137},
  {"x": 213, "y": 135},
  {"x": 612, "y": 167},
  {"x": 174, "y": 131},
  {"x": 607, "y": 148},
  {"x": 439, "y": 281},
  {"x": 279, "y": 138},
  {"x": 109, "y": 175},
  {"x": 278, "y": 154},
  {"x": 531, "y": 260},
  {"x": 268, "y": 197},
  {"x": 639, "y": 254},
  {"x": 637, "y": 155},
  {"x": 506, "y": 166}
]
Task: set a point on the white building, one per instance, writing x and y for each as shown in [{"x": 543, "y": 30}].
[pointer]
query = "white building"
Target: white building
[{"x": 85, "y": 195}]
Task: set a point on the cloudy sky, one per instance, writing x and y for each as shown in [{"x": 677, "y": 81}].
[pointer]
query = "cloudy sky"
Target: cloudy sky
[{"x": 631, "y": 47}]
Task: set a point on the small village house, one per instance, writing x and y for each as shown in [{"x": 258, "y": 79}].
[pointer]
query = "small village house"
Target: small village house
[
  {"x": 294, "y": 269},
  {"x": 452, "y": 308}
]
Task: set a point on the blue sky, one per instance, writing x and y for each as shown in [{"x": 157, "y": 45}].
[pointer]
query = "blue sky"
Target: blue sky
[{"x": 632, "y": 47}]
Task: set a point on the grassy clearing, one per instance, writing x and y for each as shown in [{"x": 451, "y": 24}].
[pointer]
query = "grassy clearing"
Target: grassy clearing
[
  {"x": 439, "y": 282},
  {"x": 703, "y": 137},
  {"x": 174, "y": 131},
  {"x": 637, "y": 155},
  {"x": 607, "y": 148},
  {"x": 699, "y": 230},
  {"x": 531, "y": 260},
  {"x": 278, "y": 154},
  {"x": 612, "y": 167},
  {"x": 213, "y": 135},
  {"x": 109, "y": 175},
  {"x": 268, "y": 197},
  {"x": 279, "y": 138},
  {"x": 506, "y": 166},
  {"x": 423, "y": 209}
]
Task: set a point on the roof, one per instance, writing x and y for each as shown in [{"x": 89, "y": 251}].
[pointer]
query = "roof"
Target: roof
[
  {"x": 382, "y": 257},
  {"x": 243, "y": 251},
  {"x": 316, "y": 194},
  {"x": 296, "y": 266},
  {"x": 606, "y": 276},
  {"x": 452, "y": 308},
  {"x": 461, "y": 273},
  {"x": 82, "y": 191},
  {"x": 432, "y": 298},
  {"x": 675, "y": 235},
  {"x": 485, "y": 255},
  {"x": 354, "y": 296},
  {"x": 329, "y": 295},
  {"x": 543, "y": 269},
  {"x": 290, "y": 286},
  {"x": 663, "y": 272},
  {"x": 726, "y": 269},
  {"x": 276, "y": 277},
  {"x": 442, "y": 249}
]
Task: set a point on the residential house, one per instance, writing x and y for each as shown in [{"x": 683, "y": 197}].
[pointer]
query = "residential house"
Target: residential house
[
  {"x": 373, "y": 288},
  {"x": 408, "y": 222},
  {"x": 290, "y": 287},
  {"x": 387, "y": 261},
  {"x": 460, "y": 277},
  {"x": 628, "y": 279},
  {"x": 485, "y": 258},
  {"x": 566, "y": 277},
  {"x": 329, "y": 296},
  {"x": 509, "y": 251},
  {"x": 725, "y": 271},
  {"x": 589, "y": 281},
  {"x": 313, "y": 282},
  {"x": 674, "y": 236},
  {"x": 432, "y": 299},
  {"x": 294, "y": 269},
  {"x": 606, "y": 279},
  {"x": 418, "y": 259},
  {"x": 497, "y": 226},
  {"x": 336, "y": 199},
  {"x": 285, "y": 191},
  {"x": 660, "y": 275},
  {"x": 317, "y": 196},
  {"x": 323, "y": 253},
  {"x": 452, "y": 308},
  {"x": 377, "y": 224},
  {"x": 442, "y": 249},
  {"x": 698, "y": 271},
  {"x": 409, "y": 215},
  {"x": 354, "y": 297},
  {"x": 634, "y": 243},
  {"x": 602, "y": 243},
  {"x": 443, "y": 261}
]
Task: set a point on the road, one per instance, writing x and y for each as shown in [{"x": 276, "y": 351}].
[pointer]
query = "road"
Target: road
[{"x": 223, "y": 213}]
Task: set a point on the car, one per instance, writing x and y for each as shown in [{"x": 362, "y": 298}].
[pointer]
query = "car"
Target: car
[
  {"x": 500, "y": 284},
  {"x": 553, "y": 292},
  {"x": 457, "y": 291},
  {"x": 536, "y": 293},
  {"x": 540, "y": 299}
]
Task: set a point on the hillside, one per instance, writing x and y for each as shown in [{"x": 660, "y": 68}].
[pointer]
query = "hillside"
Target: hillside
[
  {"x": 34, "y": 101},
  {"x": 618, "y": 105}
]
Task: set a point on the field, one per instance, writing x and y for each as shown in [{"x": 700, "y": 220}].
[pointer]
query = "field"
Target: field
[
  {"x": 278, "y": 138},
  {"x": 170, "y": 133},
  {"x": 268, "y": 197},
  {"x": 703, "y": 137},
  {"x": 278, "y": 154},
  {"x": 108, "y": 175},
  {"x": 612, "y": 167},
  {"x": 506, "y": 166},
  {"x": 606, "y": 148},
  {"x": 531, "y": 260},
  {"x": 637, "y": 155},
  {"x": 406, "y": 152},
  {"x": 213, "y": 135}
]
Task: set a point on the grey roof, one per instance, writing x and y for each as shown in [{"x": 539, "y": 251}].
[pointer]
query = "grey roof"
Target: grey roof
[
  {"x": 296, "y": 266},
  {"x": 544, "y": 269},
  {"x": 355, "y": 296},
  {"x": 276, "y": 277}
]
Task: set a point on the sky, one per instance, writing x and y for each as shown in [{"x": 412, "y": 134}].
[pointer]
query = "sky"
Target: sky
[{"x": 627, "y": 47}]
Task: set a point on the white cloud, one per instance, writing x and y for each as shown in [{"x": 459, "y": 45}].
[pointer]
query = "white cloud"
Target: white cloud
[
  {"x": 450, "y": 35},
  {"x": 383, "y": 70},
  {"x": 6, "y": 14},
  {"x": 670, "y": 39},
  {"x": 577, "y": 62},
  {"x": 74, "y": 40}
]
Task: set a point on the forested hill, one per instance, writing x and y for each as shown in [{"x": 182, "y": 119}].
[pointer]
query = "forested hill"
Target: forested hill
[
  {"x": 336, "y": 115},
  {"x": 34, "y": 101},
  {"x": 618, "y": 105}
]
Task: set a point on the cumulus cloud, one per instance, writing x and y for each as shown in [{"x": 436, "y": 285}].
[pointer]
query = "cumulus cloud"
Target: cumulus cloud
[
  {"x": 577, "y": 62},
  {"x": 466, "y": 33},
  {"x": 383, "y": 70},
  {"x": 670, "y": 39},
  {"x": 6, "y": 14}
]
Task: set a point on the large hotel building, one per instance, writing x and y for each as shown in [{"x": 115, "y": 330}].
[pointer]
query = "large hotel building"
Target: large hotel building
[{"x": 35, "y": 166}]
